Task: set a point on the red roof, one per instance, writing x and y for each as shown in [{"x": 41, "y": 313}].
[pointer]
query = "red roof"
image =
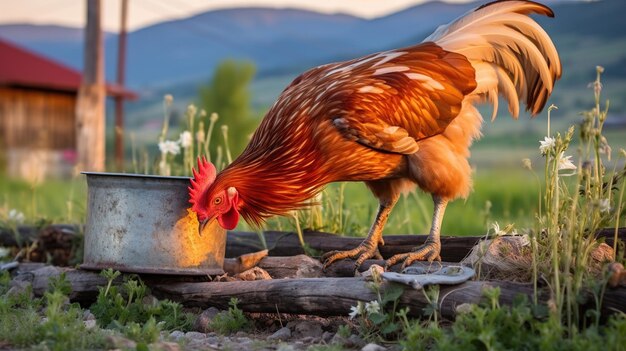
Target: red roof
[{"x": 21, "y": 67}]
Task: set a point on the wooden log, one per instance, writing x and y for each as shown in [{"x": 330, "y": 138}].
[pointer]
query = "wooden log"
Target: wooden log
[
  {"x": 85, "y": 283},
  {"x": 317, "y": 296},
  {"x": 453, "y": 249},
  {"x": 335, "y": 296}
]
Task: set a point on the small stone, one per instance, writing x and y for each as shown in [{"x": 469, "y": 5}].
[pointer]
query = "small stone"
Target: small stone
[
  {"x": 307, "y": 328},
  {"x": 281, "y": 334},
  {"x": 16, "y": 291},
  {"x": 243, "y": 339},
  {"x": 338, "y": 339},
  {"x": 164, "y": 346},
  {"x": 203, "y": 321},
  {"x": 311, "y": 340},
  {"x": 373, "y": 347},
  {"x": 327, "y": 337},
  {"x": 374, "y": 271},
  {"x": 18, "y": 287},
  {"x": 213, "y": 340},
  {"x": 617, "y": 274},
  {"x": 241, "y": 343},
  {"x": 285, "y": 347},
  {"x": 90, "y": 323},
  {"x": 150, "y": 300},
  {"x": 195, "y": 335},
  {"x": 603, "y": 253},
  {"x": 88, "y": 316},
  {"x": 177, "y": 334},
  {"x": 255, "y": 273},
  {"x": 464, "y": 308},
  {"x": 355, "y": 341},
  {"x": 119, "y": 342}
]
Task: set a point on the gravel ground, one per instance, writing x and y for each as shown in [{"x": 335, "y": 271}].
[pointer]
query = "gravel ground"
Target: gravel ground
[{"x": 290, "y": 332}]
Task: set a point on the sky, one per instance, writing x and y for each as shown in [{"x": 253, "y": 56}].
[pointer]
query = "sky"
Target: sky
[{"x": 145, "y": 12}]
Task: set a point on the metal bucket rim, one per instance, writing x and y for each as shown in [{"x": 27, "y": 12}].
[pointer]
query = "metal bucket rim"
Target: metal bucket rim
[{"x": 133, "y": 175}]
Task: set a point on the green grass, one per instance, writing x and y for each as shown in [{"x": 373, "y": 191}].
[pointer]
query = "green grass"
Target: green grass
[
  {"x": 511, "y": 193},
  {"x": 58, "y": 201},
  {"x": 491, "y": 327},
  {"x": 48, "y": 322}
]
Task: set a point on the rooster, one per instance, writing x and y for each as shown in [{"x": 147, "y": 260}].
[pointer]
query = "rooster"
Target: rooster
[{"x": 396, "y": 120}]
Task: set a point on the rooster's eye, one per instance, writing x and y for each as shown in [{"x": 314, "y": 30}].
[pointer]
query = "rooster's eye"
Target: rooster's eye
[{"x": 217, "y": 201}]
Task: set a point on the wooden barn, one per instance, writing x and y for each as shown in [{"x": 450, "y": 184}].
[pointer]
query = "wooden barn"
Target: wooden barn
[{"x": 37, "y": 113}]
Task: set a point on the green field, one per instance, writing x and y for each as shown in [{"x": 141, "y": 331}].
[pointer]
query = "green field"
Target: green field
[
  {"x": 512, "y": 194},
  {"x": 503, "y": 192}
]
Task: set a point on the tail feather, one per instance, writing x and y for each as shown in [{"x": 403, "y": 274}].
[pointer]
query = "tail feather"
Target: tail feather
[{"x": 512, "y": 55}]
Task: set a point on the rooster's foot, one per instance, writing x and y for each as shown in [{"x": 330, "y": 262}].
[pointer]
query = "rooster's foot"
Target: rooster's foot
[
  {"x": 427, "y": 252},
  {"x": 364, "y": 251}
]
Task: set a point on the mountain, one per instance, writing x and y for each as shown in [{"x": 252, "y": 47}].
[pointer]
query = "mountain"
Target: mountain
[
  {"x": 61, "y": 43},
  {"x": 274, "y": 39},
  {"x": 277, "y": 40}
]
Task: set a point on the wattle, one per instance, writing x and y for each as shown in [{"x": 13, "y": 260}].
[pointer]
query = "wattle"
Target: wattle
[{"x": 229, "y": 220}]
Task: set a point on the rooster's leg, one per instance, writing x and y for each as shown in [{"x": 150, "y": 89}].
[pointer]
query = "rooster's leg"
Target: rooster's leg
[
  {"x": 432, "y": 247},
  {"x": 369, "y": 247}
]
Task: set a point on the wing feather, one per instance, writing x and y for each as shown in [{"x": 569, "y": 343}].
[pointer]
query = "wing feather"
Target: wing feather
[{"x": 405, "y": 98}]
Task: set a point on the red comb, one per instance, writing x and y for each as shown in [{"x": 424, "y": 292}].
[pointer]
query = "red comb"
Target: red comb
[{"x": 201, "y": 181}]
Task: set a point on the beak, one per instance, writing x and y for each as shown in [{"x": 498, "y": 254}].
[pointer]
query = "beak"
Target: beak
[{"x": 204, "y": 223}]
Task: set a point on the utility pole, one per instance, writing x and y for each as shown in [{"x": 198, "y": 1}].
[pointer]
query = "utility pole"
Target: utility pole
[
  {"x": 90, "y": 123},
  {"x": 119, "y": 100}
]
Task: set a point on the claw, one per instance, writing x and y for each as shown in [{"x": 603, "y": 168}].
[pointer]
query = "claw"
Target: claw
[
  {"x": 360, "y": 253},
  {"x": 427, "y": 252}
]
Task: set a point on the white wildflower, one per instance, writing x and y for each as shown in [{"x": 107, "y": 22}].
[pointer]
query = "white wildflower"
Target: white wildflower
[
  {"x": 565, "y": 163},
  {"x": 168, "y": 99},
  {"x": 372, "y": 307},
  {"x": 356, "y": 310},
  {"x": 16, "y": 216},
  {"x": 527, "y": 164},
  {"x": 546, "y": 145},
  {"x": 213, "y": 118},
  {"x": 200, "y": 136},
  {"x": 604, "y": 205},
  {"x": 185, "y": 140},
  {"x": 169, "y": 147},
  {"x": 192, "y": 110}
]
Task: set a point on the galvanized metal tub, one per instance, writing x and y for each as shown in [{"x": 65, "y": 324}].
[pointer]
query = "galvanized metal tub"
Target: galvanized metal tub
[{"x": 143, "y": 224}]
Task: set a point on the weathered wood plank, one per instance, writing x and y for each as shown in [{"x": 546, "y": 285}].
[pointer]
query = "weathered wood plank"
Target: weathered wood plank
[
  {"x": 317, "y": 296},
  {"x": 85, "y": 283},
  {"x": 335, "y": 296},
  {"x": 453, "y": 249}
]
